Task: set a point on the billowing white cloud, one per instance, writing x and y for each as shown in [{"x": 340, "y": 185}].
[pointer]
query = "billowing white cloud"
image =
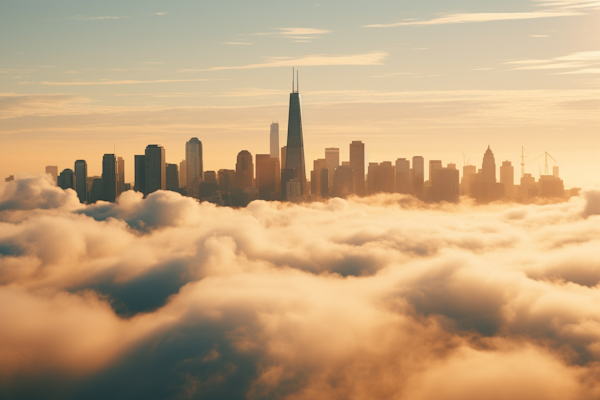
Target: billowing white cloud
[{"x": 381, "y": 297}]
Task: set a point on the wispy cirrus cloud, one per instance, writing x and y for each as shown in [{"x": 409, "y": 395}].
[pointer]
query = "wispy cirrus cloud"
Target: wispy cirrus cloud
[
  {"x": 298, "y": 34},
  {"x": 586, "y": 62},
  {"x": 547, "y": 9},
  {"x": 121, "y": 82},
  {"x": 238, "y": 43},
  {"x": 84, "y": 18},
  {"x": 372, "y": 58}
]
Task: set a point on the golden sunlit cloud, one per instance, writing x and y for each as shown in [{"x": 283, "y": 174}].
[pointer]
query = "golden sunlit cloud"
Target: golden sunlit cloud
[{"x": 378, "y": 297}]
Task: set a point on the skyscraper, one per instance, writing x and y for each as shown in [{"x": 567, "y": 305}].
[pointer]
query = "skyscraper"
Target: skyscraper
[
  {"x": 357, "y": 163},
  {"x": 274, "y": 140},
  {"x": 488, "y": 169},
  {"x": 182, "y": 174},
  {"x": 507, "y": 178},
  {"x": 318, "y": 165},
  {"x": 295, "y": 142},
  {"x": 403, "y": 176},
  {"x": 195, "y": 168},
  {"x": 267, "y": 171},
  {"x": 109, "y": 177},
  {"x": 66, "y": 179},
  {"x": 418, "y": 178},
  {"x": 140, "y": 174},
  {"x": 244, "y": 170},
  {"x": 81, "y": 180},
  {"x": 120, "y": 175},
  {"x": 283, "y": 158},
  {"x": 332, "y": 161},
  {"x": 155, "y": 171},
  {"x": 172, "y": 175},
  {"x": 53, "y": 171}
]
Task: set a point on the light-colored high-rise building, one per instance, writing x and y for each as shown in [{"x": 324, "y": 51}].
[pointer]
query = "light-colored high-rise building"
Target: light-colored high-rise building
[
  {"x": 403, "y": 176},
  {"x": 507, "y": 178},
  {"x": 318, "y": 165},
  {"x": 244, "y": 170},
  {"x": 156, "y": 169},
  {"x": 488, "y": 169},
  {"x": 81, "y": 180},
  {"x": 332, "y": 161},
  {"x": 357, "y": 163},
  {"x": 195, "y": 167},
  {"x": 469, "y": 172},
  {"x": 182, "y": 174},
  {"x": 109, "y": 177},
  {"x": 274, "y": 140},
  {"x": 418, "y": 178},
  {"x": 53, "y": 171},
  {"x": 120, "y": 175}
]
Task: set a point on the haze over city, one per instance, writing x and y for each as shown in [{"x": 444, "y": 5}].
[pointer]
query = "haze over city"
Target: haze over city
[{"x": 283, "y": 200}]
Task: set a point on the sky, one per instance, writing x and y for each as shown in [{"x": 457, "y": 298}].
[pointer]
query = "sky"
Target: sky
[
  {"x": 382, "y": 297},
  {"x": 441, "y": 79}
]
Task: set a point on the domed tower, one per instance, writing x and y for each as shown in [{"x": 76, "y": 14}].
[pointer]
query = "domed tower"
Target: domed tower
[{"x": 488, "y": 169}]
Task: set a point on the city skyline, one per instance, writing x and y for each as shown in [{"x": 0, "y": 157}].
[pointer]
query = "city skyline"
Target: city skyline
[
  {"x": 413, "y": 214},
  {"x": 437, "y": 76}
]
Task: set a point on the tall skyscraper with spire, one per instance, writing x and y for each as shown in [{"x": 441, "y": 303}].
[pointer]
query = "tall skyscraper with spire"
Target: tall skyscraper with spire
[{"x": 294, "y": 160}]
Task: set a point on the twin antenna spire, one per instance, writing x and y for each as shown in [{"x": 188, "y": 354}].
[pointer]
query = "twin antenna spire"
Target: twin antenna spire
[{"x": 297, "y": 86}]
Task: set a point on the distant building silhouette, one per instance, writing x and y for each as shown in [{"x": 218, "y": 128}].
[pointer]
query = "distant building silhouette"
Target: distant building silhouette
[
  {"x": 294, "y": 160},
  {"x": 109, "y": 177},
  {"x": 182, "y": 174},
  {"x": 332, "y": 161},
  {"x": 469, "y": 173},
  {"x": 195, "y": 167},
  {"x": 66, "y": 179},
  {"x": 155, "y": 171},
  {"x": 172, "y": 182},
  {"x": 244, "y": 170},
  {"x": 318, "y": 165},
  {"x": 81, "y": 180},
  {"x": 120, "y": 175},
  {"x": 140, "y": 174},
  {"x": 10, "y": 178},
  {"x": 403, "y": 176},
  {"x": 267, "y": 174},
  {"x": 274, "y": 140},
  {"x": 484, "y": 188},
  {"x": 434, "y": 189},
  {"x": 551, "y": 186},
  {"x": 96, "y": 191},
  {"x": 507, "y": 178},
  {"x": 324, "y": 183},
  {"x": 343, "y": 181},
  {"x": 53, "y": 171},
  {"x": 357, "y": 163},
  {"x": 283, "y": 157},
  {"x": 418, "y": 176},
  {"x": 381, "y": 178},
  {"x": 226, "y": 178}
]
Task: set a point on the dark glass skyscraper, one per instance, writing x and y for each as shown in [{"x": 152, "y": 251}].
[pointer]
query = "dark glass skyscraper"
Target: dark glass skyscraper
[
  {"x": 109, "y": 177},
  {"x": 81, "y": 180},
  {"x": 294, "y": 159},
  {"x": 156, "y": 174}
]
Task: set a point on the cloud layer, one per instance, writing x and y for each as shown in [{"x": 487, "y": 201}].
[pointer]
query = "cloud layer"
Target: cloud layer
[{"x": 382, "y": 297}]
